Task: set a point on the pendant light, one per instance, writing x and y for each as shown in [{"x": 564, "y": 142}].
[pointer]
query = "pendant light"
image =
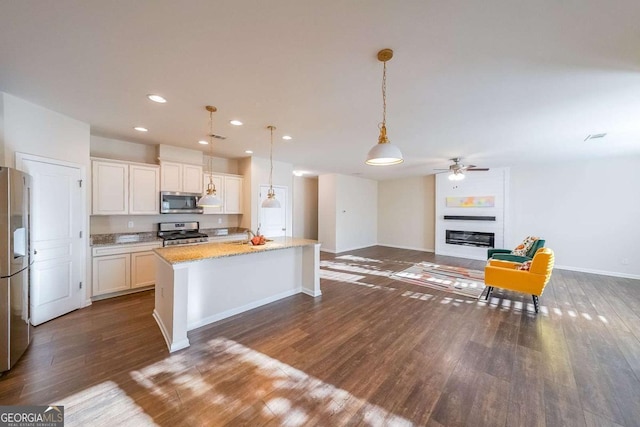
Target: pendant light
[
  {"x": 210, "y": 200},
  {"x": 384, "y": 153},
  {"x": 271, "y": 201}
]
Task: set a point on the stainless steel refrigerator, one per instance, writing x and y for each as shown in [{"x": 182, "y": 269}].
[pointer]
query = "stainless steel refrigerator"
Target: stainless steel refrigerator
[{"x": 15, "y": 329}]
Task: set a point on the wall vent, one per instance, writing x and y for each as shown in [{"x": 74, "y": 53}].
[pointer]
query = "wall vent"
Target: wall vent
[{"x": 595, "y": 136}]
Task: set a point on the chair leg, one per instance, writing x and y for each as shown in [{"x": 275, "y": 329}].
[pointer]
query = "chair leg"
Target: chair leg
[
  {"x": 536, "y": 303},
  {"x": 489, "y": 290}
]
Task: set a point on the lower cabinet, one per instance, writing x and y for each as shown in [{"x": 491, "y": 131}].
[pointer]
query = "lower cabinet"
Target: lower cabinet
[{"x": 121, "y": 268}]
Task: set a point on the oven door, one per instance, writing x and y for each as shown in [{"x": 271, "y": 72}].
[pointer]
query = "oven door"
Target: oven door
[{"x": 174, "y": 202}]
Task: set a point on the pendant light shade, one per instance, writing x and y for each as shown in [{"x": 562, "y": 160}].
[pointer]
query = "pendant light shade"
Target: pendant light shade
[
  {"x": 210, "y": 199},
  {"x": 271, "y": 201},
  {"x": 384, "y": 153}
]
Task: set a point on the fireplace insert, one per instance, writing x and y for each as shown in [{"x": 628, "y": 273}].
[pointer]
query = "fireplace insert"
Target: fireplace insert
[{"x": 470, "y": 238}]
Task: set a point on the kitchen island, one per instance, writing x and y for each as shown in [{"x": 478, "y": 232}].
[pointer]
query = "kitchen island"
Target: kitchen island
[{"x": 201, "y": 284}]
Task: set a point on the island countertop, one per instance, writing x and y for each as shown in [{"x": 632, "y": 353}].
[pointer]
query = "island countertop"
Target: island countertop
[{"x": 189, "y": 253}]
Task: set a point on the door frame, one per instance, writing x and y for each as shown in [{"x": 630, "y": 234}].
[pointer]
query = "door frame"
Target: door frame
[{"x": 19, "y": 159}]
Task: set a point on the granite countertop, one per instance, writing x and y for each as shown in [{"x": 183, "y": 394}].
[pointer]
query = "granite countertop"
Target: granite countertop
[
  {"x": 190, "y": 253},
  {"x": 152, "y": 237}
]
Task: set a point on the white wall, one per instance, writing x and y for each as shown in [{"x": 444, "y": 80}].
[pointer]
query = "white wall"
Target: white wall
[
  {"x": 327, "y": 188},
  {"x": 348, "y": 212},
  {"x": 406, "y": 213},
  {"x": 305, "y": 207},
  {"x": 107, "y": 148},
  {"x": 586, "y": 210},
  {"x": 29, "y": 128}
]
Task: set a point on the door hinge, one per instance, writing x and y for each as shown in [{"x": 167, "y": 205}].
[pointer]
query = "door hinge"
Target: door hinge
[
  {"x": 80, "y": 285},
  {"x": 80, "y": 183},
  {"x": 81, "y": 234}
]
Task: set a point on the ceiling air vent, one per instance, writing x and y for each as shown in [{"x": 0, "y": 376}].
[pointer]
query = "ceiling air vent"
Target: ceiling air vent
[
  {"x": 595, "y": 136},
  {"x": 213, "y": 135}
]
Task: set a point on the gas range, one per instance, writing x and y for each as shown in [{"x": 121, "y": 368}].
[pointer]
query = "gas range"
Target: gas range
[{"x": 181, "y": 233}]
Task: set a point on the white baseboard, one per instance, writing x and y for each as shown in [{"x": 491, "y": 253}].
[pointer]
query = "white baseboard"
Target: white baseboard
[
  {"x": 172, "y": 346},
  {"x": 407, "y": 247},
  {"x": 601, "y": 272},
  {"x": 355, "y": 248},
  {"x": 241, "y": 309},
  {"x": 311, "y": 292},
  {"x": 87, "y": 303}
]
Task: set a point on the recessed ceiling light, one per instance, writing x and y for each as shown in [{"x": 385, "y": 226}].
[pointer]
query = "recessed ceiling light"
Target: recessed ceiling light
[
  {"x": 298, "y": 173},
  {"x": 249, "y": 152},
  {"x": 203, "y": 142},
  {"x": 235, "y": 122},
  {"x": 141, "y": 129},
  {"x": 287, "y": 137},
  {"x": 156, "y": 98}
]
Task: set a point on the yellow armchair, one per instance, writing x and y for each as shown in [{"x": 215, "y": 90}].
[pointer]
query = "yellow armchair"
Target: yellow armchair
[{"x": 506, "y": 275}]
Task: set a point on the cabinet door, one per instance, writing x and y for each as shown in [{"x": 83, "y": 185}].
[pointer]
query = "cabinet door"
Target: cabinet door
[
  {"x": 218, "y": 181},
  {"x": 191, "y": 178},
  {"x": 110, "y": 191},
  {"x": 143, "y": 269},
  {"x": 144, "y": 183},
  {"x": 232, "y": 194},
  {"x": 111, "y": 273},
  {"x": 170, "y": 176}
]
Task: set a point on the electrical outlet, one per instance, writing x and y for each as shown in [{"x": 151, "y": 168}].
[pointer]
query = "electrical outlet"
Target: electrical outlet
[
  {"x": 219, "y": 220},
  {"x": 130, "y": 224}
]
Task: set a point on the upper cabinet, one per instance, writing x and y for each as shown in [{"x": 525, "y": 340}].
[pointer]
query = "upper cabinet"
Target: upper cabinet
[
  {"x": 229, "y": 189},
  {"x": 181, "y": 177},
  {"x": 122, "y": 188}
]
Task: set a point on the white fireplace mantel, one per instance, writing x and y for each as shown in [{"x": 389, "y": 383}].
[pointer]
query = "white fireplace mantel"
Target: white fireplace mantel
[{"x": 494, "y": 182}]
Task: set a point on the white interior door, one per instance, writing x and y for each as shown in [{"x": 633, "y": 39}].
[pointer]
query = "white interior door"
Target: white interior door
[
  {"x": 56, "y": 236},
  {"x": 273, "y": 221}
]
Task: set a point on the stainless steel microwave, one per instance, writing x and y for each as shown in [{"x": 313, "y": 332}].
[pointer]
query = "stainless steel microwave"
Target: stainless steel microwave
[{"x": 174, "y": 202}]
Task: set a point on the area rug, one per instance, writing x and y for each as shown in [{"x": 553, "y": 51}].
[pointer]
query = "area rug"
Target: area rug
[{"x": 457, "y": 280}]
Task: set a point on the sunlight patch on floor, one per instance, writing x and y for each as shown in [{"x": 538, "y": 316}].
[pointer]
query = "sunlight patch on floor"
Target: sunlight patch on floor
[
  {"x": 350, "y": 278},
  {"x": 357, "y": 258},
  {"x": 365, "y": 269},
  {"x": 104, "y": 404}
]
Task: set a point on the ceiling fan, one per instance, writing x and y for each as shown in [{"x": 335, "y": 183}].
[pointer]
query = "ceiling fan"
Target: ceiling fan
[{"x": 457, "y": 169}]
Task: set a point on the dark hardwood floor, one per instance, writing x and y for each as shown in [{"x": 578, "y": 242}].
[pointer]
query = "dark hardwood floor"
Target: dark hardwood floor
[{"x": 370, "y": 351}]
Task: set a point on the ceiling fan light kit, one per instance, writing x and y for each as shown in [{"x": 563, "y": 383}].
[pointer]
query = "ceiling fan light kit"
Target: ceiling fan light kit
[
  {"x": 384, "y": 153},
  {"x": 271, "y": 201},
  {"x": 210, "y": 199}
]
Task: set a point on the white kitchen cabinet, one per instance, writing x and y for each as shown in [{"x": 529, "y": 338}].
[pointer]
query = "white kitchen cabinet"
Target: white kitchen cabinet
[
  {"x": 111, "y": 273},
  {"x": 218, "y": 181},
  {"x": 233, "y": 194},
  {"x": 124, "y": 188},
  {"x": 110, "y": 188},
  {"x": 143, "y": 269},
  {"x": 191, "y": 178},
  {"x": 229, "y": 190},
  {"x": 181, "y": 177},
  {"x": 121, "y": 268},
  {"x": 144, "y": 189}
]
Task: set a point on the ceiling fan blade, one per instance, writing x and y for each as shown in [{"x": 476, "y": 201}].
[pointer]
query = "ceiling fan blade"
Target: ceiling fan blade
[
  {"x": 478, "y": 169},
  {"x": 441, "y": 169}
]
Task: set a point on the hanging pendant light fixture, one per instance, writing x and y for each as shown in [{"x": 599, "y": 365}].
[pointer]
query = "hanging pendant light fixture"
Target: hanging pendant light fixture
[
  {"x": 271, "y": 201},
  {"x": 210, "y": 200},
  {"x": 384, "y": 153}
]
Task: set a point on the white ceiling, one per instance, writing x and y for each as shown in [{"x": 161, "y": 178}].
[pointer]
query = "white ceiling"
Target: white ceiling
[{"x": 495, "y": 82}]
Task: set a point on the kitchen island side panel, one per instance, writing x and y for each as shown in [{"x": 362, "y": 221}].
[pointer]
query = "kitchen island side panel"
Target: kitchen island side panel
[{"x": 222, "y": 287}]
